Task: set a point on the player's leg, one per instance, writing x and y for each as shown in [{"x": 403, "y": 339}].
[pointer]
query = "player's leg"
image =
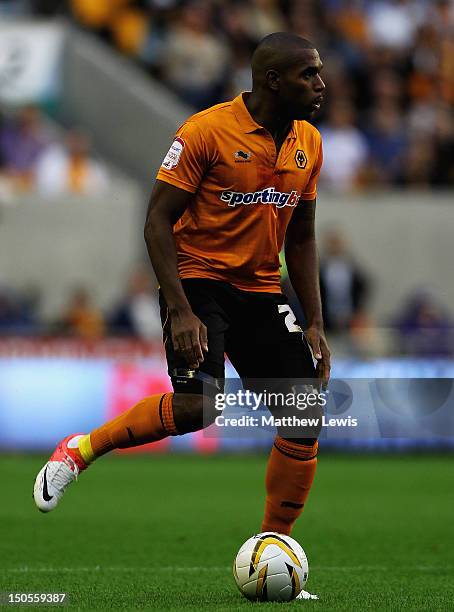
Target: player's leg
[
  {"x": 268, "y": 344},
  {"x": 289, "y": 476},
  {"x": 153, "y": 418}
]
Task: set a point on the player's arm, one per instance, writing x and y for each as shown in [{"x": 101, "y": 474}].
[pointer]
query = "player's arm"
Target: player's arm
[
  {"x": 303, "y": 268},
  {"x": 167, "y": 204}
]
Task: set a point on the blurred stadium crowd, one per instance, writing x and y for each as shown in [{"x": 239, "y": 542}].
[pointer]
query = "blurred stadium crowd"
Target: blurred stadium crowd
[
  {"x": 135, "y": 314},
  {"x": 419, "y": 327},
  {"x": 37, "y": 157},
  {"x": 388, "y": 121},
  {"x": 389, "y": 68}
]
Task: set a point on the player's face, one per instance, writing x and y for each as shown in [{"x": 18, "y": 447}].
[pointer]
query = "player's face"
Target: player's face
[{"x": 301, "y": 86}]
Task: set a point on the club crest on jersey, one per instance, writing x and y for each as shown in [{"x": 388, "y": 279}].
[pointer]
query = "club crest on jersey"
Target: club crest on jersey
[
  {"x": 242, "y": 156},
  {"x": 301, "y": 159},
  {"x": 172, "y": 158},
  {"x": 265, "y": 196}
]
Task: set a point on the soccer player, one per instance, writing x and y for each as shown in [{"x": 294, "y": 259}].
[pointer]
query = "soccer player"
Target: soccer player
[{"x": 238, "y": 181}]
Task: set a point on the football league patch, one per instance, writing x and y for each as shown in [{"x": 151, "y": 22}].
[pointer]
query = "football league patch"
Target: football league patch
[{"x": 172, "y": 159}]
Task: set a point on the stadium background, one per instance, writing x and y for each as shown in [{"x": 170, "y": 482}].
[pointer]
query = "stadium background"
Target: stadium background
[{"x": 90, "y": 95}]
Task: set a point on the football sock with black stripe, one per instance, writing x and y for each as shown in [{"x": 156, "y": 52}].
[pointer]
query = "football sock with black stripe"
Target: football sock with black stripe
[
  {"x": 289, "y": 477},
  {"x": 149, "y": 420}
]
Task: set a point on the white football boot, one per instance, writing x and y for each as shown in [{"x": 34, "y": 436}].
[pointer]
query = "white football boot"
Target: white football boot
[
  {"x": 306, "y": 595},
  {"x": 63, "y": 468}
]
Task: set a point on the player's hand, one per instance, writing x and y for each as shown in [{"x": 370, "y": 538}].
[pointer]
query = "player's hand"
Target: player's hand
[
  {"x": 189, "y": 337},
  {"x": 321, "y": 352}
]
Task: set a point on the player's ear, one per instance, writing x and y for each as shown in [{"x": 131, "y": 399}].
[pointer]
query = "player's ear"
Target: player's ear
[{"x": 273, "y": 79}]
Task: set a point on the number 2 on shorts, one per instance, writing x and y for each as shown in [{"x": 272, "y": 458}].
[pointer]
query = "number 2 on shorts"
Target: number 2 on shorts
[{"x": 290, "y": 319}]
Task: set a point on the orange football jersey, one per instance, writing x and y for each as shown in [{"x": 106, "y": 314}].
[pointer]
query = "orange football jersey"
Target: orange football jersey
[{"x": 244, "y": 194}]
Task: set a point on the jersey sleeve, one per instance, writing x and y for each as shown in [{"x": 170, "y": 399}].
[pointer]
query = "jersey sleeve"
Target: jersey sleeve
[
  {"x": 187, "y": 159},
  {"x": 310, "y": 193}
]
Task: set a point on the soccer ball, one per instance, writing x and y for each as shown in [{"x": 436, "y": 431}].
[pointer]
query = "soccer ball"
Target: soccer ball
[{"x": 271, "y": 567}]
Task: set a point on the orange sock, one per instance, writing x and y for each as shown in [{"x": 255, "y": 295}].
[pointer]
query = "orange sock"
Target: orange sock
[
  {"x": 289, "y": 476},
  {"x": 148, "y": 421}
]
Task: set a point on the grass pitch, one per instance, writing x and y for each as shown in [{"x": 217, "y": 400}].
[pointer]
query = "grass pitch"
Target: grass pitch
[{"x": 160, "y": 533}]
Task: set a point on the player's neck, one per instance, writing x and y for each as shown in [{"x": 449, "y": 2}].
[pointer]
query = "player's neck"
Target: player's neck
[{"x": 265, "y": 115}]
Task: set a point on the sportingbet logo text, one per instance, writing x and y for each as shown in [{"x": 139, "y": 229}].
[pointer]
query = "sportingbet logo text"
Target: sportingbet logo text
[{"x": 266, "y": 196}]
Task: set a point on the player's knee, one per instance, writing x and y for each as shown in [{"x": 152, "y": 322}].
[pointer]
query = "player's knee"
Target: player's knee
[
  {"x": 300, "y": 423},
  {"x": 193, "y": 411}
]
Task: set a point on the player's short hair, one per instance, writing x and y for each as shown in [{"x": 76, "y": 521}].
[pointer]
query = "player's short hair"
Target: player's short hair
[{"x": 276, "y": 51}]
